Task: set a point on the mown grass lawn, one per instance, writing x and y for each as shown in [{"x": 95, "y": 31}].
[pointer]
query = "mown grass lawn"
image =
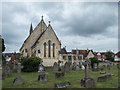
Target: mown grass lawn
[{"x": 74, "y": 77}]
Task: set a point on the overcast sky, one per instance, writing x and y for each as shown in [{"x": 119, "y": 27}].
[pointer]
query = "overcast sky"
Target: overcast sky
[{"x": 78, "y": 25}]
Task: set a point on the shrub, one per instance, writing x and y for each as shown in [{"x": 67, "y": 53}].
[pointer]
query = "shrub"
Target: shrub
[{"x": 30, "y": 64}]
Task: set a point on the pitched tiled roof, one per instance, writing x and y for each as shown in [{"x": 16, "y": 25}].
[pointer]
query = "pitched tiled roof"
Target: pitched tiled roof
[
  {"x": 83, "y": 52},
  {"x": 15, "y": 55},
  {"x": 118, "y": 54},
  {"x": 102, "y": 53},
  {"x": 63, "y": 51}
]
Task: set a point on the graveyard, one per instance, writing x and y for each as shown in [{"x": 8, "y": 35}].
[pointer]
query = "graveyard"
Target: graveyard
[{"x": 73, "y": 76}]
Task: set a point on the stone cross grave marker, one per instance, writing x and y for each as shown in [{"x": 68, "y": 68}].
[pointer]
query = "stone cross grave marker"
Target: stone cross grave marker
[
  {"x": 18, "y": 80},
  {"x": 86, "y": 64},
  {"x": 87, "y": 81}
]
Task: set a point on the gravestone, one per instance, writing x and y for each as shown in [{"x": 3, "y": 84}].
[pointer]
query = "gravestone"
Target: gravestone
[
  {"x": 59, "y": 74},
  {"x": 83, "y": 68},
  {"x": 62, "y": 85},
  {"x": 10, "y": 64},
  {"x": 42, "y": 74},
  {"x": 103, "y": 72},
  {"x": 15, "y": 66},
  {"x": 3, "y": 75},
  {"x": 18, "y": 80},
  {"x": 55, "y": 67},
  {"x": 95, "y": 67},
  {"x": 7, "y": 70},
  {"x": 108, "y": 67},
  {"x": 74, "y": 66},
  {"x": 102, "y": 68},
  {"x": 87, "y": 81},
  {"x": 66, "y": 68},
  {"x": 117, "y": 66},
  {"x": 111, "y": 64},
  {"x": 104, "y": 78},
  {"x": 80, "y": 64},
  {"x": 77, "y": 68}
]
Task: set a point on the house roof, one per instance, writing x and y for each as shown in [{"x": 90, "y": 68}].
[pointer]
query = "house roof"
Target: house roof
[
  {"x": 15, "y": 55},
  {"x": 118, "y": 54},
  {"x": 83, "y": 52},
  {"x": 63, "y": 51}
]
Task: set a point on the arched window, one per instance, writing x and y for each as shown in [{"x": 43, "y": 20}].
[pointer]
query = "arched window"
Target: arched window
[
  {"x": 53, "y": 49},
  {"x": 49, "y": 48},
  {"x": 44, "y": 49}
]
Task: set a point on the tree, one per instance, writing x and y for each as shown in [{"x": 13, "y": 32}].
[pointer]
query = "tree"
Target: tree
[
  {"x": 109, "y": 55},
  {"x": 94, "y": 60},
  {"x": 3, "y": 47}
]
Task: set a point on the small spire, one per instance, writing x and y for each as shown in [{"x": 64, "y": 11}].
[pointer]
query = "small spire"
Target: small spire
[
  {"x": 31, "y": 29},
  {"x": 42, "y": 17}
]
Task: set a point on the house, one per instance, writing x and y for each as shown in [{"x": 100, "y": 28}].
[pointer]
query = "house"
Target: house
[
  {"x": 117, "y": 57},
  {"x": 100, "y": 55}
]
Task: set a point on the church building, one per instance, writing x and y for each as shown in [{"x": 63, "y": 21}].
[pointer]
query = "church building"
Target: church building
[{"x": 42, "y": 42}]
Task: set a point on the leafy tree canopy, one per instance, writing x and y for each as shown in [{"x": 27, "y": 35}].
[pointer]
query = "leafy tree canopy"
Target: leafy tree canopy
[
  {"x": 109, "y": 55},
  {"x": 94, "y": 60}
]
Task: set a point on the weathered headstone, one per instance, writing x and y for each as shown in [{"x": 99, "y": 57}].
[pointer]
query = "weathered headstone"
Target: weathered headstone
[
  {"x": 108, "y": 67},
  {"x": 62, "y": 85},
  {"x": 18, "y": 80},
  {"x": 118, "y": 66},
  {"x": 60, "y": 73},
  {"x": 104, "y": 78},
  {"x": 7, "y": 70},
  {"x": 66, "y": 68},
  {"x": 55, "y": 67},
  {"x": 103, "y": 72},
  {"x": 15, "y": 66},
  {"x": 80, "y": 64},
  {"x": 102, "y": 68},
  {"x": 95, "y": 67},
  {"x": 3, "y": 75},
  {"x": 87, "y": 81},
  {"x": 11, "y": 65},
  {"x": 74, "y": 66},
  {"x": 77, "y": 68},
  {"x": 42, "y": 74}
]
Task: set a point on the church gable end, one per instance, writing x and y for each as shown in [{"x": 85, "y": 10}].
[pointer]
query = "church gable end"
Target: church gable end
[{"x": 33, "y": 36}]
